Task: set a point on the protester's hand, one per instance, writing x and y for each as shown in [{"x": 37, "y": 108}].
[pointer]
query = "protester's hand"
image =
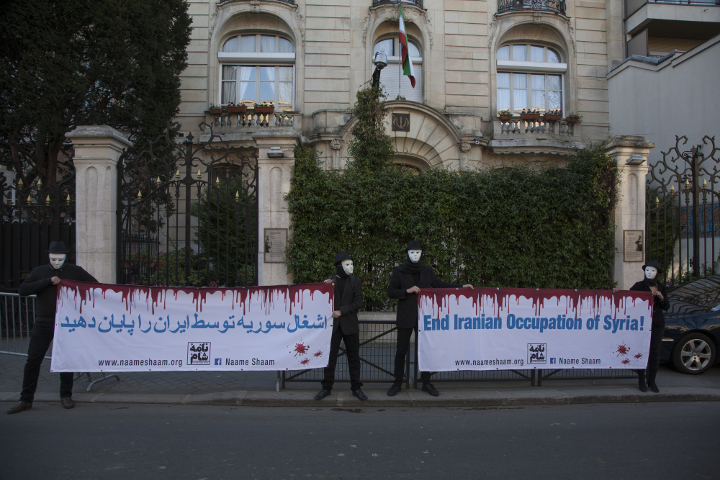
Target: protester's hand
[
  {"x": 615, "y": 290},
  {"x": 468, "y": 286},
  {"x": 414, "y": 289},
  {"x": 55, "y": 280},
  {"x": 336, "y": 314},
  {"x": 329, "y": 281},
  {"x": 658, "y": 295}
]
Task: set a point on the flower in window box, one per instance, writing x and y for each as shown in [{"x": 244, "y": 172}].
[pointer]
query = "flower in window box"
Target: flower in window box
[
  {"x": 235, "y": 108},
  {"x": 264, "y": 107},
  {"x": 505, "y": 115},
  {"x": 552, "y": 115},
  {"x": 215, "y": 109},
  {"x": 529, "y": 114},
  {"x": 573, "y": 118}
]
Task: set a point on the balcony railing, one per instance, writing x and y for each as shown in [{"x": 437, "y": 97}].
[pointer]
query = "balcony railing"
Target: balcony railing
[
  {"x": 554, "y": 6},
  {"x": 632, "y": 6},
  {"x": 417, "y": 3}
]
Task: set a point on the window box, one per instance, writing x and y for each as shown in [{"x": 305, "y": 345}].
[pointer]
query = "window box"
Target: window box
[
  {"x": 215, "y": 111},
  {"x": 237, "y": 109},
  {"x": 552, "y": 117},
  {"x": 505, "y": 118},
  {"x": 572, "y": 119},
  {"x": 263, "y": 110},
  {"x": 530, "y": 116}
]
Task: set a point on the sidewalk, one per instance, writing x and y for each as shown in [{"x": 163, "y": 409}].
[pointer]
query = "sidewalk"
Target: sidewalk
[{"x": 258, "y": 389}]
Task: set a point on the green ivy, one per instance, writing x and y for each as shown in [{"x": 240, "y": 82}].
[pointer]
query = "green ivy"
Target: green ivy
[{"x": 512, "y": 227}]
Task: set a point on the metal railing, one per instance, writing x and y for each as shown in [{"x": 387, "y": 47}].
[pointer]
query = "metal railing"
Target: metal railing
[
  {"x": 554, "y": 6},
  {"x": 17, "y": 317},
  {"x": 417, "y": 3},
  {"x": 632, "y": 6}
]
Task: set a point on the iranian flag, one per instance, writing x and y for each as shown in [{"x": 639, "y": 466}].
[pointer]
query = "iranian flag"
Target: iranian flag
[{"x": 407, "y": 67}]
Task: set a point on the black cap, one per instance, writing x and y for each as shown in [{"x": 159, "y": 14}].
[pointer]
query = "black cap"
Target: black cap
[
  {"x": 341, "y": 257},
  {"x": 57, "y": 247},
  {"x": 652, "y": 263},
  {"x": 413, "y": 245}
]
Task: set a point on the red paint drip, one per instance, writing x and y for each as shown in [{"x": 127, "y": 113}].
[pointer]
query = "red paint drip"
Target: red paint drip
[
  {"x": 318, "y": 354},
  {"x": 622, "y": 349},
  {"x": 301, "y": 349},
  {"x": 305, "y": 361},
  {"x": 638, "y": 356}
]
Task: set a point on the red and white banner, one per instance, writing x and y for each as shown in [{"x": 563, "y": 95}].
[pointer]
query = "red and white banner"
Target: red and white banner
[
  {"x": 115, "y": 328},
  {"x": 517, "y": 328}
]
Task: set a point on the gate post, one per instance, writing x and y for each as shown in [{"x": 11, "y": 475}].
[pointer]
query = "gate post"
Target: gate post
[
  {"x": 630, "y": 154},
  {"x": 276, "y": 161},
  {"x": 97, "y": 150}
]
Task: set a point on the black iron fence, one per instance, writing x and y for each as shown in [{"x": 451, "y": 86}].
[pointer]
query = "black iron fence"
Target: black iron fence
[
  {"x": 32, "y": 216},
  {"x": 417, "y": 3},
  {"x": 17, "y": 317},
  {"x": 553, "y": 6}
]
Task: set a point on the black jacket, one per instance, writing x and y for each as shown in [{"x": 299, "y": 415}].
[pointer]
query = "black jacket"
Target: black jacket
[
  {"x": 349, "y": 304},
  {"x": 38, "y": 283},
  {"x": 407, "y": 310},
  {"x": 658, "y": 318}
]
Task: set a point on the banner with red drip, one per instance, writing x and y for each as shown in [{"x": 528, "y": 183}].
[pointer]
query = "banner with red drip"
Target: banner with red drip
[
  {"x": 519, "y": 328},
  {"x": 116, "y": 328}
]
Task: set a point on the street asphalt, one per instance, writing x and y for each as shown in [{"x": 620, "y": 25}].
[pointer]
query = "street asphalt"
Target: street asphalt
[{"x": 261, "y": 389}]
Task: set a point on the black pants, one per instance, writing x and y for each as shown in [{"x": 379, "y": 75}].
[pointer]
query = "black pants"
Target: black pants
[
  {"x": 42, "y": 335},
  {"x": 403, "y": 346},
  {"x": 352, "y": 349},
  {"x": 654, "y": 355}
]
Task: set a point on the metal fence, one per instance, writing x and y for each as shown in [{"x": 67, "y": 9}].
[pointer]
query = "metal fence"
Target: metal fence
[{"x": 17, "y": 316}]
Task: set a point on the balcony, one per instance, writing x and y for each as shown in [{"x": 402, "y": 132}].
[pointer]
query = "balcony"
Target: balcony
[
  {"x": 250, "y": 121},
  {"x": 515, "y": 136},
  {"x": 552, "y": 6},
  {"x": 632, "y": 6},
  {"x": 417, "y": 3}
]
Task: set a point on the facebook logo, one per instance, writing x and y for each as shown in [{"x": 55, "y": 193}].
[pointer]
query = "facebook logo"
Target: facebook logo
[
  {"x": 218, "y": 361},
  {"x": 552, "y": 360}
]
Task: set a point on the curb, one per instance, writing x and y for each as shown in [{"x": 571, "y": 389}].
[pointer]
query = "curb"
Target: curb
[{"x": 342, "y": 399}]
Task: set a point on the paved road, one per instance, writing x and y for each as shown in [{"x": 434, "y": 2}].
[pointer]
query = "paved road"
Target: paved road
[{"x": 619, "y": 441}]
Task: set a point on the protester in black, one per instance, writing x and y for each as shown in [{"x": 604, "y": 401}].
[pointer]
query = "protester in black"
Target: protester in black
[
  {"x": 406, "y": 281},
  {"x": 650, "y": 284},
  {"x": 43, "y": 282},
  {"x": 348, "y": 301}
]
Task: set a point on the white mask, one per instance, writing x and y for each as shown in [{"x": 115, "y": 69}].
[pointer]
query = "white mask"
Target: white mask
[
  {"x": 347, "y": 266},
  {"x": 57, "y": 260},
  {"x": 414, "y": 255},
  {"x": 650, "y": 272}
]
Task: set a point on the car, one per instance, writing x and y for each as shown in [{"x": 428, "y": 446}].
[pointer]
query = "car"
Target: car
[{"x": 692, "y": 326}]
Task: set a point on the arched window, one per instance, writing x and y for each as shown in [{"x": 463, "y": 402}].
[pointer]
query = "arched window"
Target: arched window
[
  {"x": 258, "y": 68},
  {"x": 529, "y": 76},
  {"x": 391, "y": 75}
]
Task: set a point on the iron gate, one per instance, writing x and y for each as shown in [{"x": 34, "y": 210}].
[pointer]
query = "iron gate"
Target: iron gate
[
  {"x": 32, "y": 216},
  {"x": 682, "y": 216},
  {"x": 187, "y": 214}
]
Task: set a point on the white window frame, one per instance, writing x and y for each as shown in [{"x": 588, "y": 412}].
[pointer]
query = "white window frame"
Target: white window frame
[
  {"x": 519, "y": 67},
  {"x": 257, "y": 60}
]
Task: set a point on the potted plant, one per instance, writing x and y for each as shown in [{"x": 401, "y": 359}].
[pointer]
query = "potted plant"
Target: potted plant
[
  {"x": 235, "y": 108},
  {"x": 529, "y": 114},
  {"x": 215, "y": 109},
  {"x": 264, "y": 107},
  {"x": 573, "y": 118},
  {"x": 553, "y": 115},
  {"x": 505, "y": 115}
]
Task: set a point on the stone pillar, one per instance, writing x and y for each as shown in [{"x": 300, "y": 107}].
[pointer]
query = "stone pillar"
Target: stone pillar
[
  {"x": 97, "y": 150},
  {"x": 274, "y": 173},
  {"x": 630, "y": 208}
]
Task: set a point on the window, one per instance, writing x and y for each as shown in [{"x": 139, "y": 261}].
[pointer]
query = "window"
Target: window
[
  {"x": 391, "y": 75},
  {"x": 258, "y": 68},
  {"x": 529, "y": 76}
]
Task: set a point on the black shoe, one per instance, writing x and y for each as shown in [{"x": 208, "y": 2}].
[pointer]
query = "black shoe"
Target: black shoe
[
  {"x": 358, "y": 393},
  {"x": 430, "y": 388},
  {"x": 67, "y": 402},
  {"x": 322, "y": 394},
  {"x": 19, "y": 407},
  {"x": 653, "y": 387},
  {"x": 394, "y": 390},
  {"x": 641, "y": 385}
]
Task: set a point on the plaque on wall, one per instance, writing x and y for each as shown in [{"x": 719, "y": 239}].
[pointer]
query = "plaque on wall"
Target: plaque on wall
[
  {"x": 275, "y": 243},
  {"x": 400, "y": 122},
  {"x": 634, "y": 245}
]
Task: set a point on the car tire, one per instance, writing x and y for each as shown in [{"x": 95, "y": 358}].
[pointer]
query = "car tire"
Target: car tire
[{"x": 694, "y": 354}]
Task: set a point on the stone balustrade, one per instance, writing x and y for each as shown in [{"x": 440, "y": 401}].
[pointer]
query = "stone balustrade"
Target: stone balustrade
[
  {"x": 518, "y": 127},
  {"x": 252, "y": 120}
]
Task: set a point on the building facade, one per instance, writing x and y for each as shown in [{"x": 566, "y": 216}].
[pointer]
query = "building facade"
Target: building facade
[{"x": 472, "y": 59}]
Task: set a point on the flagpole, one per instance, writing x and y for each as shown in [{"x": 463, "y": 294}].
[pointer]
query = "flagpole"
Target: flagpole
[{"x": 400, "y": 66}]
